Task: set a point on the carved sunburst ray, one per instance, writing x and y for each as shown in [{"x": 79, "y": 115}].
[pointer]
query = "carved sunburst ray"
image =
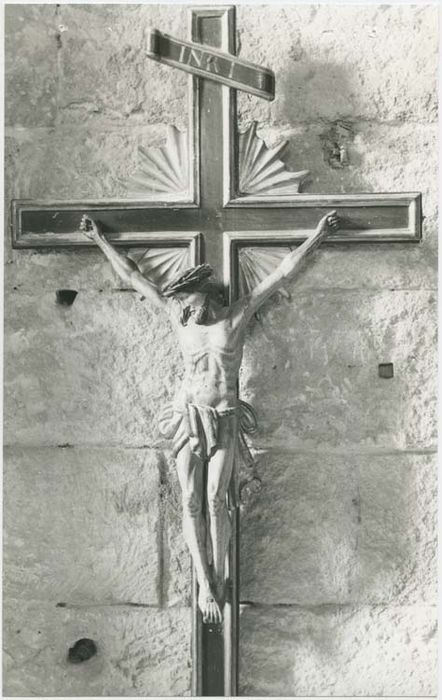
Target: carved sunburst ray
[
  {"x": 261, "y": 171},
  {"x": 161, "y": 265},
  {"x": 255, "y": 264},
  {"x": 163, "y": 170}
]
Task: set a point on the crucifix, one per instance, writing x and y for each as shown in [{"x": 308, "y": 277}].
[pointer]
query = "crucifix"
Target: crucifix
[{"x": 221, "y": 198}]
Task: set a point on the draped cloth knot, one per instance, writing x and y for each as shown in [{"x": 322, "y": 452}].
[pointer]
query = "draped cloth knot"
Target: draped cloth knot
[{"x": 199, "y": 426}]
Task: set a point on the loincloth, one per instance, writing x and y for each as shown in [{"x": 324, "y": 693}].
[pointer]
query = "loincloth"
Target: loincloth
[{"x": 202, "y": 428}]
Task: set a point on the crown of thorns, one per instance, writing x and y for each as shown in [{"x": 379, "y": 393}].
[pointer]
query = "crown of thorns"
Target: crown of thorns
[{"x": 191, "y": 279}]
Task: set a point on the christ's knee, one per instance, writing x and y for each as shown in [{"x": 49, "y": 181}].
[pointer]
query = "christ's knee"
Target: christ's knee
[
  {"x": 192, "y": 505},
  {"x": 216, "y": 503}
]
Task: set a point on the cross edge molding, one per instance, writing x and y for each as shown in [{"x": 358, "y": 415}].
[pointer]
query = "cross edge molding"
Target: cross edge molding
[{"x": 411, "y": 233}]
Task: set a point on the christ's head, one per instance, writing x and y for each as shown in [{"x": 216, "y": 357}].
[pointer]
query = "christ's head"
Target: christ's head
[{"x": 197, "y": 291}]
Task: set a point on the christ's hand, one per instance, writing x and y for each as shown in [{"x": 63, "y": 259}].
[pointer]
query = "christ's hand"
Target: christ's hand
[
  {"x": 90, "y": 228},
  {"x": 328, "y": 224}
]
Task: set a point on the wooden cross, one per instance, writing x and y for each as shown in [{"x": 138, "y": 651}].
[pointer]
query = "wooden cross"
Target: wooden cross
[{"x": 225, "y": 198}]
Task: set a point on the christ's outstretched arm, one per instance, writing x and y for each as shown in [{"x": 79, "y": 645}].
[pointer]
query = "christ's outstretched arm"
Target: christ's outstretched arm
[
  {"x": 288, "y": 268},
  {"x": 126, "y": 268}
]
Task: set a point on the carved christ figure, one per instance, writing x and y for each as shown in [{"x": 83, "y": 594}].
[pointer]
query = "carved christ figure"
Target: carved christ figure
[{"x": 206, "y": 420}]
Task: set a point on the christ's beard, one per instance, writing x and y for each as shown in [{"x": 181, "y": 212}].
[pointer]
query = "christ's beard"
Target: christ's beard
[{"x": 200, "y": 314}]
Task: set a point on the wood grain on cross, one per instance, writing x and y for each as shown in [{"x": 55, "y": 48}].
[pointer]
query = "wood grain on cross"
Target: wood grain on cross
[{"x": 236, "y": 196}]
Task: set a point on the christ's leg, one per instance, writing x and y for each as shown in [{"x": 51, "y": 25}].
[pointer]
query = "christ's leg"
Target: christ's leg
[
  {"x": 219, "y": 474},
  {"x": 190, "y": 475}
]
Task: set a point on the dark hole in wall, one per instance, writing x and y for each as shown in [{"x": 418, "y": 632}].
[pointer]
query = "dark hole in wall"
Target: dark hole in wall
[
  {"x": 82, "y": 650},
  {"x": 386, "y": 370},
  {"x": 335, "y": 143},
  {"x": 65, "y": 297}
]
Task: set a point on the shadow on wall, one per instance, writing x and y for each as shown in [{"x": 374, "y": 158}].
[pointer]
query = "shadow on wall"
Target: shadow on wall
[
  {"x": 339, "y": 520},
  {"x": 336, "y": 535},
  {"x": 317, "y": 98},
  {"x": 339, "y": 531},
  {"x": 331, "y": 564},
  {"x": 345, "y": 652}
]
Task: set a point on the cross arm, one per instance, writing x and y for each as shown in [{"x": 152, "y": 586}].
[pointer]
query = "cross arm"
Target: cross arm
[
  {"x": 44, "y": 224},
  {"x": 280, "y": 225},
  {"x": 363, "y": 218}
]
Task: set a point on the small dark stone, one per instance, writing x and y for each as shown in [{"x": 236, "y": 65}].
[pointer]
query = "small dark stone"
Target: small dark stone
[
  {"x": 60, "y": 605},
  {"x": 65, "y": 297},
  {"x": 386, "y": 370},
  {"x": 82, "y": 650}
]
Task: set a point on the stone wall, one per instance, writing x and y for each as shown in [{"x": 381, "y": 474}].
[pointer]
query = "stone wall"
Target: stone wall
[{"x": 338, "y": 551}]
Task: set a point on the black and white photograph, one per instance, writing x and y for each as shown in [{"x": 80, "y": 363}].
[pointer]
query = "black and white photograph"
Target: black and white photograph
[{"x": 220, "y": 349}]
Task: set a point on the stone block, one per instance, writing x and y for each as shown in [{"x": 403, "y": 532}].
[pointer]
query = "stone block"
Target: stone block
[
  {"x": 380, "y": 157},
  {"x": 31, "y": 64},
  {"x": 92, "y": 65},
  {"x": 95, "y": 373},
  {"x": 140, "y": 652},
  {"x": 372, "y": 267},
  {"x": 376, "y": 61},
  {"x": 49, "y": 270},
  {"x": 80, "y": 163},
  {"x": 298, "y": 538},
  {"x": 330, "y": 651},
  {"x": 315, "y": 360},
  {"x": 83, "y": 270},
  {"x": 82, "y": 525},
  {"x": 396, "y": 549},
  {"x": 120, "y": 84},
  {"x": 177, "y": 574},
  {"x": 341, "y": 529}
]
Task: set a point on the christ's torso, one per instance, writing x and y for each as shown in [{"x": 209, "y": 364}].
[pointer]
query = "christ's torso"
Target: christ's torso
[{"x": 212, "y": 356}]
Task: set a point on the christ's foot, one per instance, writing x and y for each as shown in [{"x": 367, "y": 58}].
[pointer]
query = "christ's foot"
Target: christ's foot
[{"x": 209, "y": 607}]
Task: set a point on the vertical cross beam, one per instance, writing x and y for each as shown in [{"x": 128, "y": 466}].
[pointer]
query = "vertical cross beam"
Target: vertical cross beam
[
  {"x": 216, "y": 113},
  {"x": 215, "y": 647}
]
